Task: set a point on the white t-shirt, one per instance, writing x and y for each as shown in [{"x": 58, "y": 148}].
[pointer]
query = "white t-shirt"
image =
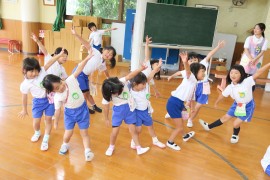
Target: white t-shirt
[
  {"x": 34, "y": 86},
  {"x": 241, "y": 93},
  {"x": 147, "y": 71},
  {"x": 72, "y": 97},
  {"x": 266, "y": 159},
  {"x": 95, "y": 63},
  {"x": 96, "y": 37},
  {"x": 55, "y": 69},
  {"x": 122, "y": 98},
  {"x": 206, "y": 64},
  {"x": 141, "y": 98},
  {"x": 186, "y": 89}
]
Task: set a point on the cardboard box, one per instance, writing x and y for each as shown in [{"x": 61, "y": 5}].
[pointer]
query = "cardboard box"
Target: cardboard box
[{"x": 221, "y": 68}]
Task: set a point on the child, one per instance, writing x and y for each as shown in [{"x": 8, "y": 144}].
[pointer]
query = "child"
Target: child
[
  {"x": 95, "y": 38},
  {"x": 34, "y": 75},
  {"x": 57, "y": 68},
  {"x": 69, "y": 94},
  {"x": 98, "y": 62},
  {"x": 240, "y": 89},
  {"x": 265, "y": 162},
  {"x": 255, "y": 46},
  {"x": 184, "y": 92},
  {"x": 117, "y": 91},
  {"x": 141, "y": 94}
]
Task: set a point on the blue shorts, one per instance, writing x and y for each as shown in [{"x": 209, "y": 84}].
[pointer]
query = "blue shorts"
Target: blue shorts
[
  {"x": 121, "y": 113},
  {"x": 174, "y": 107},
  {"x": 267, "y": 170},
  {"x": 199, "y": 96},
  {"x": 78, "y": 115},
  {"x": 40, "y": 105},
  {"x": 249, "y": 111},
  {"x": 97, "y": 47},
  {"x": 143, "y": 117},
  {"x": 83, "y": 81}
]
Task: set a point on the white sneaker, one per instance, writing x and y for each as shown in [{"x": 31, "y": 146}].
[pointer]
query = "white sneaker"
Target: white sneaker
[
  {"x": 35, "y": 137},
  {"x": 189, "y": 123},
  {"x": 44, "y": 146},
  {"x": 234, "y": 139},
  {"x": 191, "y": 134},
  {"x": 132, "y": 144},
  {"x": 89, "y": 156},
  {"x": 167, "y": 115},
  {"x": 204, "y": 125},
  {"x": 109, "y": 151},
  {"x": 64, "y": 149},
  {"x": 159, "y": 144},
  {"x": 142, "y": 150},
  {"x": 173, "y": 146}
]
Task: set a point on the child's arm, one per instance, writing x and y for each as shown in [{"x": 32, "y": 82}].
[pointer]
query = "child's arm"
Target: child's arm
[
  {"x": 106, "y": 114},
  {"x": 218, "y": 100},
  {"x": 57, "y": 116},
  {"x": 40, "y": 45},
  {"x": 184, "y": 57},
  {"x": 109, "y": 29},
  {"x": 82, "y": 64},
  {"x": 211, "y": 53},
  {"x": 134, "y": 73},
  {"x": 146, "y": 49},
  {"x": 24, "y": 112},
  {"x": 83, "y": 41},
  {"x": 54, "y": 59},
  {"x": 254, "y": 61},
  {"x": 175, "y": 74},
  {"x": 157, "y": 94},
  {"x": 154, "y": 71},
  {"x": 260, "y": 71}
]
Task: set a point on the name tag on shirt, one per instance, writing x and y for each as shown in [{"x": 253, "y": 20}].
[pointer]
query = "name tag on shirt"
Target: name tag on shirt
[
  {"x": 240, "y": 109},
  {"x": 206, "y": 88}
]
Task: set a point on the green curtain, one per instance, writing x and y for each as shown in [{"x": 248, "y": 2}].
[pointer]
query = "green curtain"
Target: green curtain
[
  {"x": 1, "y": 24},
  {"x": 60, "y": 18},
  {"x": 177, "y": 2}
]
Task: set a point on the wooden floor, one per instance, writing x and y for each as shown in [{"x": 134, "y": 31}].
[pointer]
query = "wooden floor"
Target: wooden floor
[{"x": 209, "y": 155}]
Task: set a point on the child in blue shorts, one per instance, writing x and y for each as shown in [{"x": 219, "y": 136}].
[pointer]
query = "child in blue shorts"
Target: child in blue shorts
[
  {"x": 265, "y": 162},
  {"x": 140, "y": 93},
  {"x": 69, "y": 94},
  {"x": 33, "y": 76},
  {"x": 240, "y": 89},
  {"x": 117, "y": 91}
]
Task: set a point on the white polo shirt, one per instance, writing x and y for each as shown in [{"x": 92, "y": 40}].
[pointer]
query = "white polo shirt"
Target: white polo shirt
[
  {"x": 55, "y": 69},
  {"x": 96, "y": 37},
  {"x": 141, "y": 98},
  {"x": 186, "y": 89},
  {"x": 122, "y": 98},
  {"x": 72, "y": 97},
  {"x": 34, "y": 86},
  {"x": 147, "y": 71},
  {"x": 241, "y": 93}
]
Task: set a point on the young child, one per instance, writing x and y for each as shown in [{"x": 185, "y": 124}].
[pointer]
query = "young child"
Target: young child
[
  {"x": 98, "y": 62},
  {"x": 240, "y": 89},
  {"x": 57, "y": 68},
  {"x": 33, "y": 76},
  {"x": 95, "y": 38},
  {"x": 184, "y": 92},
  {"x": 141, "y": 94},
  {"x": 69, "y": 94},
  {"x": 265, "y": 162},
  {"x": 117, "y": 91}
]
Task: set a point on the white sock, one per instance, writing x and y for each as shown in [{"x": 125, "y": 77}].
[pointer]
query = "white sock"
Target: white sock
[
  {"x": 155, "y": 139},
  {"x": 189, "y": 119},
  {"x": 37, "y": 132},
  {"x": 87, "y": 150},
  {"x": 46, "y": 138}
]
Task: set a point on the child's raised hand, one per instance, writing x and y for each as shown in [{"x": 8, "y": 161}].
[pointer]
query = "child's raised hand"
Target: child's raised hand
[
  {"x": 22, "y": 114},
  {"x": 143, "y": 66},
  {"x": 148, "y": 40},
  {"x": 221, "y": 44},
  {"x": 114, "y": 28},
  {"x": 34, "y": 37},
  {"x": 184, "y": 56}
]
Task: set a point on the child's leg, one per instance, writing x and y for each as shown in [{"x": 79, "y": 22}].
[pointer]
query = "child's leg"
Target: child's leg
[
  {"x": 216, "y": 123},
  {"x": 113, "y": 137},
  {"x": 179, "y": 129},
  {"x": 36, "y": 126},
  {"x": 64, "y": 147},
  {"x": 86, "y": 143},
  {"x": 48, "y": 128},
  {"x": 236, "y": 130},
  {"x": 91, "y": 100},
  {"x": 193, "y": 114},
  {"x": 154, "y": 137}
]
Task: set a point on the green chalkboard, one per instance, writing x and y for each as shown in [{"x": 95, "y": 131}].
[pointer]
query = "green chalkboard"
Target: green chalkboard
[{"x": 180, "y": 25}]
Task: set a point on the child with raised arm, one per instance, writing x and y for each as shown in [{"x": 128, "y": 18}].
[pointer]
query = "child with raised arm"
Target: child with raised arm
[
  {"x": 95, "y": 38},
  {"x": 69, "y": 94},
  {"x": 240, "y": 89},
  {"x": 117, "y": 91},
  {"x": 33, "y": 76}
]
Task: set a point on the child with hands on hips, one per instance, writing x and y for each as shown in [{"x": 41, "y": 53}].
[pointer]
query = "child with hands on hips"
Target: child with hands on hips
[
  {"x": 68, "y": 93},
  {"x": 117, "y": 91},
  {"x": 33, "y": 76}
]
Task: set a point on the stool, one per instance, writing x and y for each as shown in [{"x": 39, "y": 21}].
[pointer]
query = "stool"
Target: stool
[
  {"x": 222, "y": 85},
  {"x": 14, "y": 46}
]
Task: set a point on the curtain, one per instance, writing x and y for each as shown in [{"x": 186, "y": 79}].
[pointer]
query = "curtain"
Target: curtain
[
  {"x": 177, "y": 2},
  {"x": 60, "y": 18},
  {"x": 1, "y": 25}
]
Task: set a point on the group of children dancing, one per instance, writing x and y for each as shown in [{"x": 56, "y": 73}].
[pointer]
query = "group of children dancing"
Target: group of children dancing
[{"x": 51, "y": 89}]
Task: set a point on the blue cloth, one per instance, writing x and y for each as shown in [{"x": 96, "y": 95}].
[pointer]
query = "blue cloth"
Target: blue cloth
[
  {"x": 249, "y": 111},
  {"x": 78, "y": 115},
  {"x": 267, "y": 170},
  {"x": 121, "y": 113},
  {"x": 97, "y": 47},
  {"x": 143, "y": 117},
  {"x": 174, "y": 107},
  {"x": 40, "y": 105},
  {"x": 83, "y": 80},
  {"x": 199, "y": 96}
]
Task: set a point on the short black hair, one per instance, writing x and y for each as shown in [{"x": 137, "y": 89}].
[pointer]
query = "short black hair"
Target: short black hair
[
  {"x": 195, "y": 68},
  {"x": 49, "y": 80},
  {"x": 30, "y": 64},
  {"x": 59, "y": 49},
  {"x": 193, "y": 55},
  {"x": 138, "y": 79},
  {"x": 157, "y": 75},
  {"x": 239, "y": 68},
  {"x": 90, "y": 25},
  {"x": 111, "y": 86},
  {"x": 112, "y": 60}
]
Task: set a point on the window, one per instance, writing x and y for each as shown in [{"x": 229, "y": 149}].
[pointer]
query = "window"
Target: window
[{"x": 129, "y": 4}]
